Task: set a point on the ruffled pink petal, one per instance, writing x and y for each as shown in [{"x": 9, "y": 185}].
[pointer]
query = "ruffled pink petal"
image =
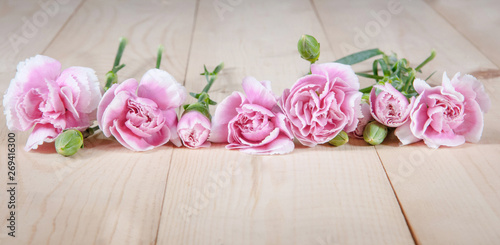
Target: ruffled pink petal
[
  {"x": 161, "y": 87},
  {"x": 257, "y": 93},
  {"x": 337, "y": 70},
  {"x": 281, "y": 145},
  {"x": 420, "y": 85},
  {"x": 105, "y": 101},
  {"x": 85, "y": 86},
  {"x": 435, "y": 139},
  {"x": 472, "y": 127},
  {"x": 471, "y": 88},
  {"x": 115, "y": 111},
  {"x": 33, "y": 72},
  {"x": 128, "y": 139},
  {"x": 41, "y": 133},
  {"x": 351, "y": 107},
  {"x": 171, "y": 122},
  {"x": 225, "y": 112}
]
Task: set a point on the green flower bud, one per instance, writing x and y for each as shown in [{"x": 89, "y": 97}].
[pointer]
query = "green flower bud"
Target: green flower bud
[
  {"x": 69, "y": 142},
  {"x": 340, "y": 139},
  {"x": 308, "y": 48},
  {"x": 374, "y": 133}
]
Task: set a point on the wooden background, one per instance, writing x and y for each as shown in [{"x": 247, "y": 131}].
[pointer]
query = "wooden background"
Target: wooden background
[{"x": 354, "y": 194}]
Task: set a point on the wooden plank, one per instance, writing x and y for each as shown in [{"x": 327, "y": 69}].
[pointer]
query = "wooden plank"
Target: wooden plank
[
  {"x": 478, "y": 21},
  {"x": 450, "y": 195},
  {"x": 27, "y": 28},
  {"x": 105, "y": 194},
  {"x": 320, "y": 195},
  {"x": 19, "y": 40}
]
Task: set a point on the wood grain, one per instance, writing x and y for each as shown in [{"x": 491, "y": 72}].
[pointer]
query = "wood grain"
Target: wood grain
[
  {"x": 105, "y": 194},
  {"x": 450, "y": 195},
  {"x": 320, "y": 195},
  {"x": 354, "y": 194},
  {"x": 478, "y": 21}
]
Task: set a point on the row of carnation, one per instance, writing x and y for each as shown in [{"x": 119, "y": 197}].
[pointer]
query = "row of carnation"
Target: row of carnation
[{"x": 315, "y": 110}]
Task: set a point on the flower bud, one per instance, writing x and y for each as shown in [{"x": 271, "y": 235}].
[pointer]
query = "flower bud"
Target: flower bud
[
  {"x": 69, "y": 142},
  {"x": 308, "y": 48},
  {"x": 340, "y": 139},
  {"x": 194, "y": 129},
  {"x": 374, "y": 133},
  {"x": 111, "y": 78}
]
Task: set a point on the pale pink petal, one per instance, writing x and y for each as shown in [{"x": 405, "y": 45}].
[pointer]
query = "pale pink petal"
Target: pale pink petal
[
  {"x": 225, "y": 112},
  {"x": 41, "y": 133},
  {"x": 420, "y": 85},
  {"x": 115, "y": 111},
  {"x": 257, "y": 93},
  {"x": 171, "y": 122},
  {"x": 472, "y": 127},
  {"x": 405, "y": 135},
  {"x": 336, "y": 70},
  {"x": 470, "y": 87},
  {"x": 161, "y": 87},
  {"x": 435, "y": 139},
  {"x": 281, "y": 145},
  {"x": 85, "y": 86},
  {"x": 105, "y": 101},
  {"x": 33, "y": 72}
]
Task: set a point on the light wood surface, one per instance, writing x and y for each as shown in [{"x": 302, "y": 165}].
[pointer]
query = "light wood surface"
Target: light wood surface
[{"x": 354, "y": 194}]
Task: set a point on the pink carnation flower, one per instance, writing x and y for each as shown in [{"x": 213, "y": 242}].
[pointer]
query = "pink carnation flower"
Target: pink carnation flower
[
  {"x": 447, "y": 115},
  {"x": 142, "y": 117},
  {"x": 194, "y": 129},
  {"x": 389, "y": 107},
  {"x": 253, "y": 123},
  {"x": 322, "y": 104},
  {"x": 42, "y": 96}
]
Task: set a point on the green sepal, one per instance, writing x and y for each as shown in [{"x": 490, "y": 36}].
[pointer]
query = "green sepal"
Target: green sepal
[{"x": 198, "y": 106}]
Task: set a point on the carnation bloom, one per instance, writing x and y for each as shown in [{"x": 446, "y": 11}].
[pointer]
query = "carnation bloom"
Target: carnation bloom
[
  {"x": 42, "y": 96},
  {"x": 389, "y": 106},
  {"x": 322, "y": 104},
  {"x": 253, "y": 123},
  {"x": 365, "y": 119},
  {"x": 447, "y": 115},
  {"x": 193, "y": 129},
  {"x": 142, "y": 117}
]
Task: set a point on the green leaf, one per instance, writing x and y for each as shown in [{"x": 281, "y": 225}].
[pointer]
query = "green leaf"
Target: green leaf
[
  {"x": 430, "y": 76},
  {"x": 431, "y": 57},
  {"x": 359, "y": 56},
  {"x": 366, "y": 90},
  {"x": 368, "y": 75}
]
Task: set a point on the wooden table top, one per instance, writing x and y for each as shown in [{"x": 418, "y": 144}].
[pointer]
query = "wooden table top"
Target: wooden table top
[{"x": 354, "y": 194}]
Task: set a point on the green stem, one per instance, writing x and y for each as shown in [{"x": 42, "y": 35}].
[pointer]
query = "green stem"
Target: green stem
[
  {"x": 90, "y": 131},
  {"x": 431, "y": 57},
  {"x": 158, "y": 58},
  {"x": 121, "y": 47}
]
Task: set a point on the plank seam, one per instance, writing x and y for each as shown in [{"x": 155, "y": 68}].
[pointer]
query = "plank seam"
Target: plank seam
[
  {"x": 412, "y": 233},
  {"x": 171, "y": 156}
]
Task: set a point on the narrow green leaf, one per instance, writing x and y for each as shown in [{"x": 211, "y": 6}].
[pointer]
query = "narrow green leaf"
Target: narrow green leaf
[
  {"x": 430, "y": 76},
  {"x": 359, "y": 56},
  {"x": 431, "y": 57},
  {"x": 368, "y": 75},
  {"x": 366, "y": 90}
]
